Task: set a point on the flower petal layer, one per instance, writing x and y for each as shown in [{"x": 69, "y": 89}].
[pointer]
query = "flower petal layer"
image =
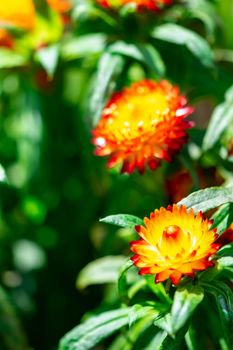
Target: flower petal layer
[
  {"x": 174, "y": 242},
  {"x": 60, "y": 6},
  {"x": 18, "y": 13},
  {"x": 143, "y": 125}
]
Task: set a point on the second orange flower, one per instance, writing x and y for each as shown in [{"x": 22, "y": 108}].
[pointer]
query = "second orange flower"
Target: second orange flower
[{"x": 143, "y": 125}]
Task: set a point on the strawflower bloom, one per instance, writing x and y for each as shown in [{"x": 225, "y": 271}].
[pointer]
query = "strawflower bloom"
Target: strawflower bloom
[
  {"x": 61, "y": 6},
  {"x": 18, "y": 13},
  {"x": 174, "y": 242},
  {"x": 142, "y": 125},
  {"x": 141, "y": 5}
]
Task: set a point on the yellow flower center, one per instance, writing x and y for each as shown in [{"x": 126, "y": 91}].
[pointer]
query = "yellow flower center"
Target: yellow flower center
[
  {"x": 171, "y": 232},
  {"x": 137, "y": 113}
]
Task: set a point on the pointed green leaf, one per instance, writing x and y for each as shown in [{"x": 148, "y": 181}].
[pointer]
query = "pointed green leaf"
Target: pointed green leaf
[
  {"x": 108, "y": 68},
  {"x": 185, "y": 302},
  {"x": 170, "y": 343},
  {"x": 103, "y": 270},
  {"x": 94, "y": 330},
  {"x": 83, "y": 46},
  {"x": 123, "y": 220},
  {"x": 144, "y": 53},
  {"x": 208, "y": 198},
  {"x": 48, "y": 58},
  {"x": 176, "y": 34},
  {"x": 221, "y": 118},
  {"x": 223, "y": 218},
  {"x": 122, "y": 281}
]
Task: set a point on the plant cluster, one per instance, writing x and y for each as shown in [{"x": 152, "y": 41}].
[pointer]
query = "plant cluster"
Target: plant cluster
[{"x": 149, "y": 86}]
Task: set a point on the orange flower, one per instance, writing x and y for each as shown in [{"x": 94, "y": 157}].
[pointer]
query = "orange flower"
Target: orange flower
[
  {"x": 174, "y": 242},
  {"x": 142, "y": 125},
  {"x": 141, "y": 5},
  {"x": 6, "y": 39},
  {"x": 60, "y": 6},
  {"x": 18, "y": 13}
]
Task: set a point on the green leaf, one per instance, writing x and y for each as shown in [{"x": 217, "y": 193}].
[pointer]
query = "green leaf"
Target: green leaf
[
  {"x": 108, "y": 68},
  {"x": 193, "y": 340},
  {"x": 226, "y": 250},
  {"x": 122, "y": 281},
  {"x": 224, "y": 298},
  {"x": 157, "y": 341},
  {"x": 48, "y": 58},
  {"x": 170, "y": 343},
  {"x": 205, "y": 12},
  {"x": 208, "y": 198},
  {"x": 103, "y": 270},
  {"x": 144, "y": 53},
  {"x": 94, "y": 330},
  {"x": 10, "y": 59},
  {"x": 221, "y": 118},
  {"x": 225, "y": 262},
  {"x": 158, "y": 289},
  {"x": 223, "y": 218},
  {"x": 132, "y": 338},
  {"x": 3, "y": 176},
  {"x": 83, "y": 46},
  {"x": 123, "y": 220},
  {"x": 138, "y": 311},
  {"x": 176, "y": 34},
  {"x": 185, "y": 302}
]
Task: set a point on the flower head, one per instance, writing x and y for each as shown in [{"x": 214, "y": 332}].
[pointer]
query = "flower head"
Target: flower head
[
  {"x": 174, "y": 242},
  {"x": 60, "y": 6},
  {"x": 18, "y": 13},
  {"x": 141, "y": 5},
  {"x": 142, "y": 125}
]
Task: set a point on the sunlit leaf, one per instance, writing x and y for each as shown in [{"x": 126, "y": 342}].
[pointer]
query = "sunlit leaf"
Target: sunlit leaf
[
  {"x": 221, "y": 118},
  {"x": 185, "y": 302},
  {"x": 176, "y": 34},
  {"x": 138, "y": 311},
  {"x": 94, "y": 330},
  {"x": 223, "y": 218},
  {"x": 83, "y": 46},
  {"x": 103, "y": 270},
  {"x": 108, "y": 68},
  {"x": 144, "y": 53},
  {"x": 123, "y": 220},
  {"x": 48, "y": 58},
  {"x": 208, "y": 198},
  {"x": 11, "y": 59},
  {"x": 169, "y": 343},
  {"x": 122, "y": 281}
]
